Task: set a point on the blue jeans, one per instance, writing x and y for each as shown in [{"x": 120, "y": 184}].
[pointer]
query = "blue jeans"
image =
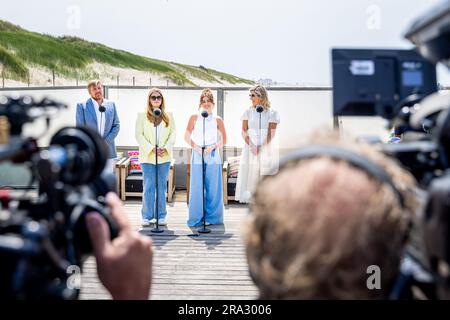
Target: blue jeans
[{"x": 149, "y": 186}]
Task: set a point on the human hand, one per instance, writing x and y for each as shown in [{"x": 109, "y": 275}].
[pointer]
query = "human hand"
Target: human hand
[
  {"x": 197, "y": 149},
  {"x": 124, "y": 265},
  {"x": 161, "y": 152},
  {"x": 210, "y": 149},
  {"x": 254, "y": 149}
]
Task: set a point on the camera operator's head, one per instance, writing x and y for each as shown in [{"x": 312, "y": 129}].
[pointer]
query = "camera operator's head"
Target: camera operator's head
[
  {"x": 95, "y": 89},
  {"x": 319, "y": 223}
]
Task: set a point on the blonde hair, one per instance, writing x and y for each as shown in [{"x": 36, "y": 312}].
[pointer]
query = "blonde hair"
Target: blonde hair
[
  {"x": 164, "y": 115},
  {"x": 93, "y": 83},
  {"x": 319, "y": 224},
  {"x": 261, "y": 92},
  {"x": 206, "y": 93}
]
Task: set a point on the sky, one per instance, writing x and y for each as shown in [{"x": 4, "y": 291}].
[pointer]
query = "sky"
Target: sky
[{"x": 288, "y": 41}]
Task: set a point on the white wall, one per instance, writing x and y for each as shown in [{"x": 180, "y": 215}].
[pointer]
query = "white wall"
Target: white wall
[
  {"x": 65, "y": 117},
  {"x": 301, "y": 113},
  {"x": 365, "y": 127}
]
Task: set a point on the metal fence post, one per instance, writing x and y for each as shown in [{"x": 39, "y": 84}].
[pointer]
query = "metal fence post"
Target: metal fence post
[
  {"x": 106, "y": 92},
  {"x": 335, "y": 122},
  {"x": 220, "y": 113},
  {"x": 220, "y": 103}
]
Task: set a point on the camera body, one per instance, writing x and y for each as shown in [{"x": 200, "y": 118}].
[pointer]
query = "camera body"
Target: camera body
[
  {"x": 401, "y": 87},
  {"x": 43, "y": 237},
  {"x": 377, "y": 82}
]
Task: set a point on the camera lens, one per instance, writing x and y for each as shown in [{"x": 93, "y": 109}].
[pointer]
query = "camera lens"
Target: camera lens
[{"x": 85, "y": 155}]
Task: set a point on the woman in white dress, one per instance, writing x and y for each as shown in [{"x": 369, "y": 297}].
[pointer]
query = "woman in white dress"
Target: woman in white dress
[{"x": 258, "y": 130}]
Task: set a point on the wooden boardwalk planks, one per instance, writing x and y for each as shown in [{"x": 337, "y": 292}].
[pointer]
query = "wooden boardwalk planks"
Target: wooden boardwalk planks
[{"x": 210, "y": 266}]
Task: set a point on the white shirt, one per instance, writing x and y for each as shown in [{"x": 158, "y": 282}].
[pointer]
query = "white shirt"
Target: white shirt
[
  {"x": 252, "y": 116},
  {"x": 211, "y": 131},
  {"x": 158, "y": 132},
  {"x": 101, "y": 117}
]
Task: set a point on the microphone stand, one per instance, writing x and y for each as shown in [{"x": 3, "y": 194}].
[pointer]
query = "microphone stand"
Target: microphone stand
[
  {"x": 156, "y": 114},
  {"x": 102, "y": 110},
  {"x": 204, "y": 229},
  {"x": 259, "y": 109}
]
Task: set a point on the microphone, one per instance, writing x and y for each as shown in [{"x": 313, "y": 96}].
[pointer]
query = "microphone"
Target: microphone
[
  {"x": 157, "y": 112},
  {"x": 102, "y": 110},
  {"x": 204, "y": 113},
  {"x": 259, "y": 108}
]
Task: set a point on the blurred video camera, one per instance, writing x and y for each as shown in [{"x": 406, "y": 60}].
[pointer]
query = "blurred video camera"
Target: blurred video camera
[
  {"x": 43, "y": 237},
  {"x": 401, "y": 86}
]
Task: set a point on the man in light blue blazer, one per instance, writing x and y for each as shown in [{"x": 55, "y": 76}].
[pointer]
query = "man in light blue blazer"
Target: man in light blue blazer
[{"x": 100, "y": 115}]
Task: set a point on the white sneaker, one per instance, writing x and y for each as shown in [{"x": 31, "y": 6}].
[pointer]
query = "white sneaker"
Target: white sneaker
[
  {"x": 152, "y": 221},
  {"x": 145, "y": 223},
  {"x": 162, "y": 222}
]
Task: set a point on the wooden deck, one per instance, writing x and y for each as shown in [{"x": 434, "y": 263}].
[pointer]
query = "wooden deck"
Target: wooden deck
[{"x": 208, "y": 267}]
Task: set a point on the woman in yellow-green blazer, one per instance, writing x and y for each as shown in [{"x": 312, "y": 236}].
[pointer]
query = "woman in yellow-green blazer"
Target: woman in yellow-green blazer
[{"x": 145, "y": 136}]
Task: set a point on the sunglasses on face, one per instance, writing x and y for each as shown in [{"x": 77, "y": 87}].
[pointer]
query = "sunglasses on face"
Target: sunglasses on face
[
  {"x": 252, "y": 95},
  {"x": 155, "y": 98}
]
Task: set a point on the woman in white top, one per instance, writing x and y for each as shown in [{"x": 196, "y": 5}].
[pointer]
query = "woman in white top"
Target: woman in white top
[
  {"x": 212, "y": 139},
  {"x": 258, "y": 130}
]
